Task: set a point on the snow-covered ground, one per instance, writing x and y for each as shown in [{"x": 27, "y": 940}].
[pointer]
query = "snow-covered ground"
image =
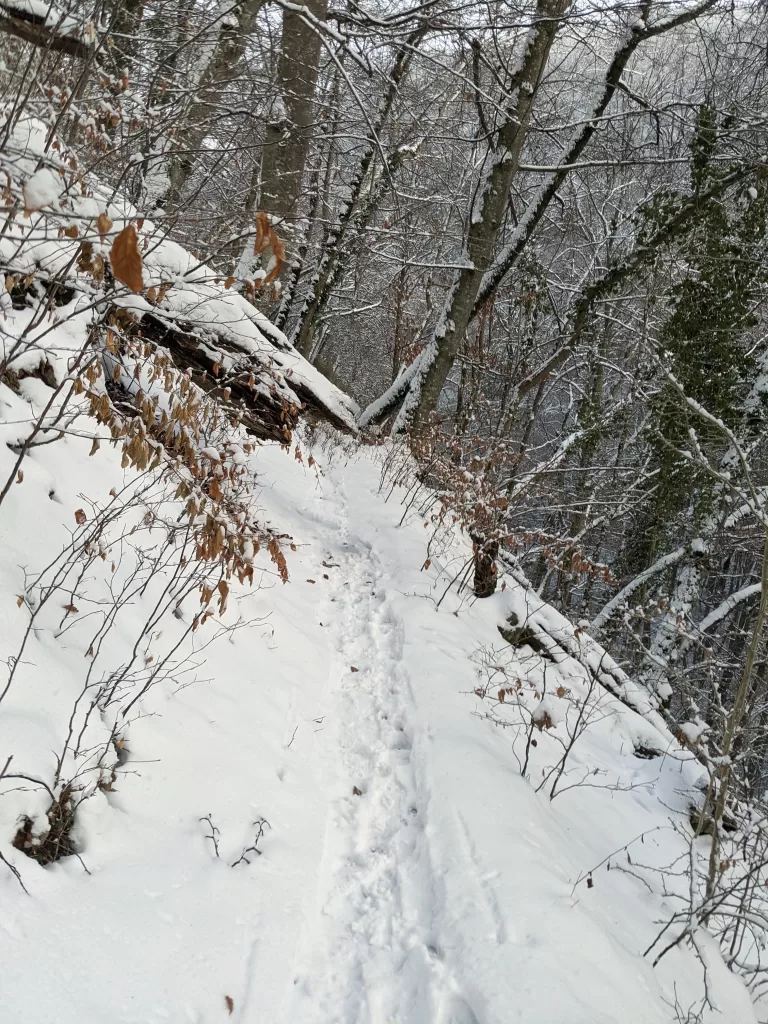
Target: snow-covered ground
[{"x": 407, "y": 872}]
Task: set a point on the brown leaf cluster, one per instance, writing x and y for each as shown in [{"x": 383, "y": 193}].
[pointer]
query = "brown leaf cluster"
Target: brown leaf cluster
[
  {"x": 267, "y": 239},
  {"x": 218, "y": 495}
]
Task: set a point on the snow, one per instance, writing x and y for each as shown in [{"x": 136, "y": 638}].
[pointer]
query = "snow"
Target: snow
[
  {"x": 197, "y": 297},
  {"x": 342, "y": 800},
  {"x": 384, "y": 401},
  {"x": 693, "y": 731},
  {"x": 718, "y": 614},
  {"x": 48, "y": 14},
  {"x": 408, "y": 872},
  {"x": 618, "y": 601},
  {"x": 42, "y": 189}
]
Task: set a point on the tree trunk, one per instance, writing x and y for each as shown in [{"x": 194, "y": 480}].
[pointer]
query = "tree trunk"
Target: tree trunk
[
  {"x": 289, "y": 127},
  {"x": 486, "y": 573},
  {"x": 227, "y": 53},
  {"x": 486, "y": 220},
  {"x": 329, "y": 268},
  {"x": 639, "y": 33},
  {"x": 733, "y": 726}
]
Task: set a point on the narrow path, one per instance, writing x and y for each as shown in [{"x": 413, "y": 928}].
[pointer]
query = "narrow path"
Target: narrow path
[{"x": 367, "y": 956}]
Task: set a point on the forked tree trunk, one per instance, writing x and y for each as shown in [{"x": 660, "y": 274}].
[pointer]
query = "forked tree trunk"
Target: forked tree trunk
[
  {"x": 486, "y": 220},
  {"x": 426, "y": 377},
  {"x": 228, "y": 51}
]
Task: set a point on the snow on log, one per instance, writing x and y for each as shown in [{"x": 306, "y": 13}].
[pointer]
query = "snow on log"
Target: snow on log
[
  {"x": 45, "y": 25},
  {"x": 61, "y": 243},
  {"x": 533, "y": 622}
]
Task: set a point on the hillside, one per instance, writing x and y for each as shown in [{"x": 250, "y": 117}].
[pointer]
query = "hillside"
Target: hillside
[
  {"x": 265, "y": 754},
  {"x": 406, "y": 870}
]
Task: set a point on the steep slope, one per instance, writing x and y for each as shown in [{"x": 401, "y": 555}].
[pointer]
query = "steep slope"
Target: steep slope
[
  {"x": 259, "y": 758},
  {"x": 405, "y": 870}
]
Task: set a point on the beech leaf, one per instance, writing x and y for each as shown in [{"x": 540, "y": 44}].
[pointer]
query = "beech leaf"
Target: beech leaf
[
  {"x": 126, "y": 259},
  {"x": 103, "y": 224}
]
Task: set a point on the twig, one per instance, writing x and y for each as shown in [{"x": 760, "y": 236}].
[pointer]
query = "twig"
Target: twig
[
  {"x": 15, "y": 871},
  {"x": 254, "y": 848},
  {"x": 214, "y": 833}
]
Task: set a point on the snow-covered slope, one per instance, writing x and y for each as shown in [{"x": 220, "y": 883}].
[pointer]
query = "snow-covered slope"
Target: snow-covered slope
[{"x": 406, "y": 870}]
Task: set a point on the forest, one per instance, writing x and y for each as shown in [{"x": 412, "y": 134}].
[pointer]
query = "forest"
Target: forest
[{"x": 515, "y": 250}]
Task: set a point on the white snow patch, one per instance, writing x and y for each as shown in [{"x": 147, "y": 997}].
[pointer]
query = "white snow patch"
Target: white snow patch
[{"x": 42, "y": 189}]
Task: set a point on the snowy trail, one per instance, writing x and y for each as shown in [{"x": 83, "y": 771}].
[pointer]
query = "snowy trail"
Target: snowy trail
[
  {"x": 369, "y": 956},
  {"x": 441, "y": 892}
]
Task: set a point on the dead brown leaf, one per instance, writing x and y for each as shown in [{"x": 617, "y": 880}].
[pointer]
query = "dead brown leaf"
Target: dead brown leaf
[
  {"x": 263, "y": 227},
  {"x": 126, "y": 259},
  {"x": 267, "y": 239},
  {"x": 103, "y": 225}
]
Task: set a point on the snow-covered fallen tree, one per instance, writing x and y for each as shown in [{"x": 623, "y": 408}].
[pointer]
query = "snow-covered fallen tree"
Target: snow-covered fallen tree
[
  {"x": 46, "y": 25},
  {"x": 79, "y": 253}
]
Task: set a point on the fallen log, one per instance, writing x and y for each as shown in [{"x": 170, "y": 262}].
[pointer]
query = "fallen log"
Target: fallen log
[{"x": 45, "y": 26}]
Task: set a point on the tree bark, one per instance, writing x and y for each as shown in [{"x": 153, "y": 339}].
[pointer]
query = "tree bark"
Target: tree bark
[
  {"x": 44, "y": 32},
  {"x": 733, "y": 727},
  {"x": 328, "y": 270},
  {"x": 486, "y": 220},
  {"x": 485, "y": 571},
  {"x": 228, "y": 52},
  {"x": 289, "y": 127}
]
